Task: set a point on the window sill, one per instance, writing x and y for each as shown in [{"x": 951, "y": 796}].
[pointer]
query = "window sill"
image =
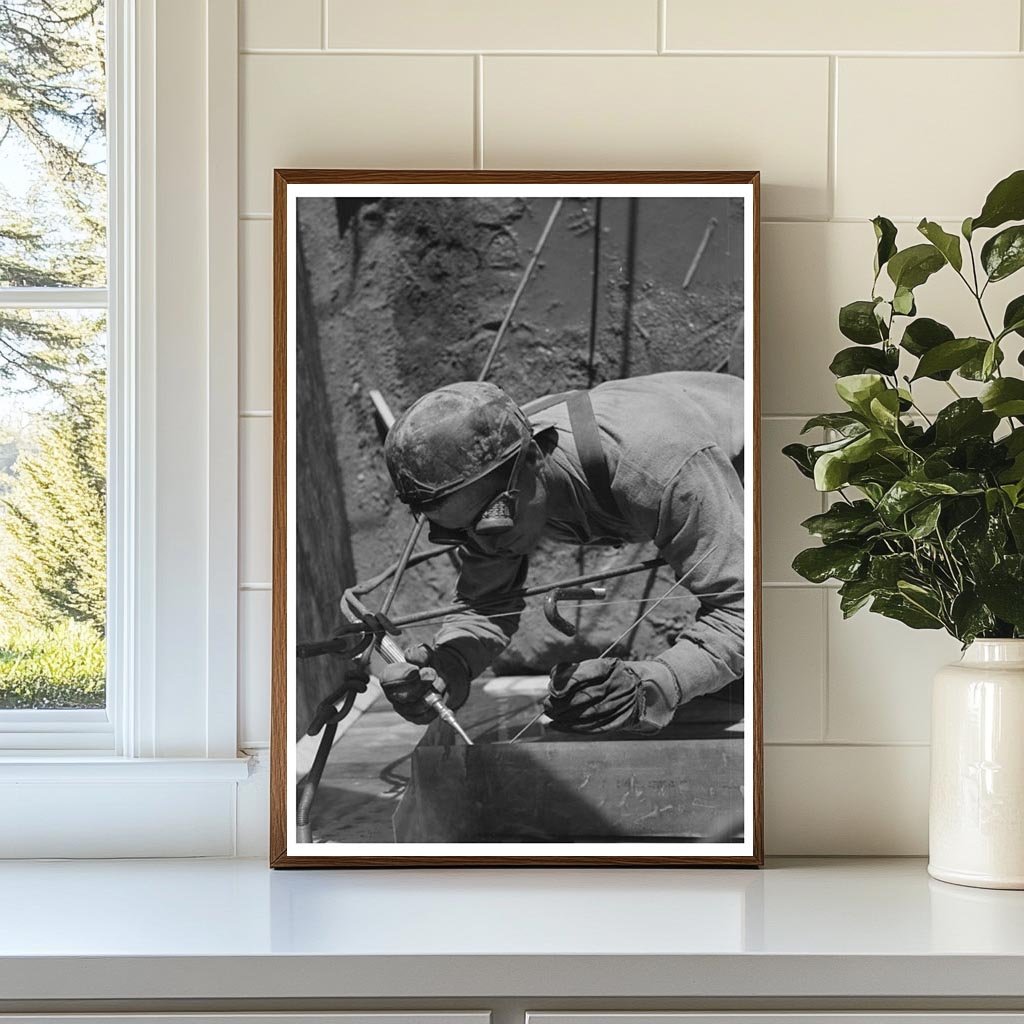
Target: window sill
[
  {"x": 81, "y": 806},
  {"x": 75, "y": 766}
]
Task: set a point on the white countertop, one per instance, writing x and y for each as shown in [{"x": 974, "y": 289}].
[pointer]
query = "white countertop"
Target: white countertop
[{"x": 233, "y": 928}]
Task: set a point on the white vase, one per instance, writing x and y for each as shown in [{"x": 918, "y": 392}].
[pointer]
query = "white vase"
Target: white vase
[{"x": 976, "y": 816}]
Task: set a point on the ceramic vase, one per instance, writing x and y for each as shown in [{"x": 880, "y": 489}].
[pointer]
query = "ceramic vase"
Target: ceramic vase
[{"x": 976, "y": 813}]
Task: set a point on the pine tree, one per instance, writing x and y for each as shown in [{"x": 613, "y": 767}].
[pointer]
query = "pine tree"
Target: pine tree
[
  {"x": 53, "y": 519},
  {"x": 52, "y": 119}
]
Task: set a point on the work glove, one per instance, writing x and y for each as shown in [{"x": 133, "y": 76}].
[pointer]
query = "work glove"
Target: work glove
[
  {"x": 610, "y": 695},
  {"x": 425, "y": 668}
]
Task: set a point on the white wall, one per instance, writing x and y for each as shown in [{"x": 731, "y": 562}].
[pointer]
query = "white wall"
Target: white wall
[{"x": 907, "y": 109}]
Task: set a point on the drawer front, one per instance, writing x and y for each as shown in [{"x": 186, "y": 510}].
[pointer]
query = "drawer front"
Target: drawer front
[
  {"x": 934, "y": 1017},
  {"x": 360, "y": 1017}
]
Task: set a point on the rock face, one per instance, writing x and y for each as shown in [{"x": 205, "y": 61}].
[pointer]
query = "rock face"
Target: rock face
[{"x": 407, "y": 295}]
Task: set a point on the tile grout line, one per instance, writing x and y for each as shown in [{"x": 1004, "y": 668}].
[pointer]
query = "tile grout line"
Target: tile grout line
[
  {"x": 662, "y": 40},
  {"x": 323, "y": 24},
  {"x": 833, "y": 134},
  {"x": 478, "y": 111},
  {"x": 339, "y": 51},
  {"x": 1020, "y": 25},
  {"x": 855, "y": 744},
  {"x": 824, "y": 714}
]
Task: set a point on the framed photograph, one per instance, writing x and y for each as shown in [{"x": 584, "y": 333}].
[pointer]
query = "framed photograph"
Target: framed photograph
[{"x": 516, "y": 586}]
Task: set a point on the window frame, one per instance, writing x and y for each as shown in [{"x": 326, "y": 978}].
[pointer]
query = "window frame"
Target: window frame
[
  {"x": 79, "y": 729},
  {"x": 170, "y": 746}
]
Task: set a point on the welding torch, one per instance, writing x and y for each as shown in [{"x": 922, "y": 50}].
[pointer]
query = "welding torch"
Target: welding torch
[{"x": 391, "y": 654}]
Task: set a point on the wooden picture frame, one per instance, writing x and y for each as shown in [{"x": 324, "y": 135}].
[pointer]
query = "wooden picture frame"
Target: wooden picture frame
[{"x": 286, "y": 849}]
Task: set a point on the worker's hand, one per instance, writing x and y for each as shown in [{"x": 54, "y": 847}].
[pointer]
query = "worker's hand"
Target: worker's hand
[
  {"x": 609, "y": 695},
  {"x": 425, "y": 669}
]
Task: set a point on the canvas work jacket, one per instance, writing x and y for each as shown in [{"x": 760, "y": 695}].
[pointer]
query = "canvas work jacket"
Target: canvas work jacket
[{"x": 670, "y": 441}]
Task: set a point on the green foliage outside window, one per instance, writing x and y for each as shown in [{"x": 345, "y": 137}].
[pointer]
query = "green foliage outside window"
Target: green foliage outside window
[
  {"x": 927, "y": 525},
  {"x": 52, "y": 365}
]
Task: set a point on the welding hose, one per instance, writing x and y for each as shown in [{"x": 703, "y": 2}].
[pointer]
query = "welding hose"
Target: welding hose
[{"x": 303, "y": 828}]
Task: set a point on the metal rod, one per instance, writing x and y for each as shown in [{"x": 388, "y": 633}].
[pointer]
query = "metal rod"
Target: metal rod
[
  {"x": 350, "y": 629},
  {"x": 496, "y": 344},
  {"x": 700, "y": 252},
  {"x": 595, "y": 282},
  {"x": 402, "y": 565}
]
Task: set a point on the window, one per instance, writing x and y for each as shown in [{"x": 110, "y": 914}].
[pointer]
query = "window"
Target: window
[
  {"x": 156, "y": 310},
  {"x": 53, "y": 373}
]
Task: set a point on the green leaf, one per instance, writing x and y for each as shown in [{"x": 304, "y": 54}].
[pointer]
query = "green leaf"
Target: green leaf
[
  {"x": 840, "y": 421},
  {"x": 800, "y": 456},
  {"x": 1005, "y": 202},
  {"x": 885, "y": 237},
  {"x": 865, "y": 446},
  {"x": 950, "y": 355},
  {"x": 925, "y": 334},
  {"x": 887, "y": 570},
  {"x": 1013, "y": 317},
  {"x": 858, "y": 389},
  {"x": 885, "y": 409},
  {"x": 903, "y": 302},
  {"x": 971, "y": 617},
  {"x": 840, "y": 561},
  {"x": 1003, "y": 254},
  {"x": 1003, "y": 595},
  {"x": 849, "y": 361},
  {"x": 843, "y": 521},
  {"x": 990, "y": 360},
  {"x": 974, "y": 368},
  {"x": 966, "y": 417},
  {"x": 857, "y": 321},
  {"x": 925, "y": 518},
  {"x": 854, "y": 594},
  {"x": 965, "y": 229},
  {"x": 1004, "y": 397},
  {"x": 907, "y": 494},
  {"x": 831, "y": 471},
  {"x": 912, "y": 267},
  {"x": 947, "y": 244}
]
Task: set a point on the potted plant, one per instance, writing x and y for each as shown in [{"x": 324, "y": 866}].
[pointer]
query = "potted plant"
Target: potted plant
[{"x": 926, "y": 524}]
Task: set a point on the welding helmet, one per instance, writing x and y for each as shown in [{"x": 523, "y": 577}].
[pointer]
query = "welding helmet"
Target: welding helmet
[{"x": 451, "y": 438}]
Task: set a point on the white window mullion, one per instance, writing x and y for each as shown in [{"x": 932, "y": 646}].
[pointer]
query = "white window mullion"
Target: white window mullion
[{"x": 53, "y": 298}]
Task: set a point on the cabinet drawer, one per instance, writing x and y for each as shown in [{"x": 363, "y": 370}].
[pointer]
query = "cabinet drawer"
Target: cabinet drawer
[
  {"x": 359, "y": 1017},
  {"x": 852, "y": 1017}
]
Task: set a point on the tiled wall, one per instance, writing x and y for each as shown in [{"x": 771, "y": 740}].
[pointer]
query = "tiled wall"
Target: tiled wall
[{"x": 909, "y": 109}]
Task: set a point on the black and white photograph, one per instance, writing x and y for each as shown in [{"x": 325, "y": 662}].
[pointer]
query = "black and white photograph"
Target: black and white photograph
[{"x": 516, "y": 558}]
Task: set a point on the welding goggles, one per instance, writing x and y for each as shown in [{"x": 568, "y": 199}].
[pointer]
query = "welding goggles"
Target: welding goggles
[{"x": 497, "y": 516}]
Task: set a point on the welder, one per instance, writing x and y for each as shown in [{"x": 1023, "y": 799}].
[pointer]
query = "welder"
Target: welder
[{"x": 655, "y": 458}]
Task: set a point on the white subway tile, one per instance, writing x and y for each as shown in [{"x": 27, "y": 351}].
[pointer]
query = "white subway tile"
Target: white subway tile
[
  {"x": 926, "y": 137},
  {"x": 846, "y": 801},
  {"x": 255, "y": 511},
  {"x": 351, "y": 111},
  {"x": 255, "y": 324},
  {"x": 471, "y": 25},
  {"x": 787, "y": 498},
  {"x": 683, "y": 113},
  {"x": 868, "y": 25},
  {"x": 254, "y": 610},
  {"x": 271, "y": 24},
  {"x": 808, "y": 271},
  {"x": 879, "y": 677},
  {"x": 793, "y": 631}
]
